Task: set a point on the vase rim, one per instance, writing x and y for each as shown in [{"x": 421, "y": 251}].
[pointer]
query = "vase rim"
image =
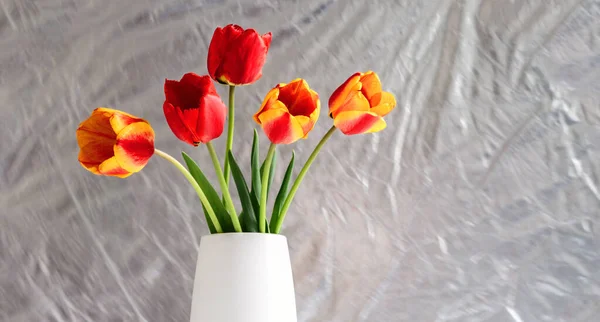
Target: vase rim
[{"x": 245, "y": 234}]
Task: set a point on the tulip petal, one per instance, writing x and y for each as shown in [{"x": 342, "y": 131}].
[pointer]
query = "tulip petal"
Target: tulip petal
[
  {"x": 306, "y": 123},
  {"x": 291, "y": 110},
  {"x": 231, "y": 32},
  {"x": 215, "y": 52},
  {"x": 280, "y": 126},
  {"x": 355, "y": 101},
  {"x": 371, "y": 86},
  {"x": 99, "y": 123},
  {"x": 96, "y": 138},
  {"x": 172, "y": 92},
  {"x": 134, "y": 146},
  {"x": 386, "y": 103},
  {"x": 218, "y": 47},
  {"x": 315, "y": 97},
  {"x": 317, "y": 112},
  {"x": 357, "y": 122},
  {"x": 120, "y": 120},
  {"x": 268, "y": 103},
  {"x": 187, "y": 92},
  {"x": 314, "y": 116},
  {"x": 178, "y": 127},
  {"x": 210, "y": 119},
  {"x": 198, "y": 85},
  {"x": 111, "y": 167},
  {"x": 90, "y": 166},
  {"x": 96, "y": 149},
  {"x": 236, "y": 56},
  {"x": 298, "y": 97},
  {"x": 107, "y": 111},
  {"x": 205, "y": 122},
  {"x": 193, "y": 109},
  {"x": 267, "y": 39},
  {"x": 340, "y": 95},
  {"x": 243, "y": 61},
  {"x": 378, "y": 126}
]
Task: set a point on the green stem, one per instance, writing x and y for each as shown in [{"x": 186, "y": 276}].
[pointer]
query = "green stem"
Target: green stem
[
  {"x": 224, "y": 188},
  {"x": 290, "y": 196},
  {"x": 262, "y": 218},
  {"x": 201, "y": 195},
  {"x": 230, "y": 127}
]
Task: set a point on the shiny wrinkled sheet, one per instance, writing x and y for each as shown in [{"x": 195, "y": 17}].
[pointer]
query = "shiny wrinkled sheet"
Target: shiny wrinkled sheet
[{"x": 479, "y": 202}]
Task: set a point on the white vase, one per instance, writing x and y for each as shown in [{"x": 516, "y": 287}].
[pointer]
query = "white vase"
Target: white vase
[{"x": 243, "y": 277}]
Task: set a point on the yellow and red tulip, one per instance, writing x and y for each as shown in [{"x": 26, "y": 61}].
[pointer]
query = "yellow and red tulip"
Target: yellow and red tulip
[
  {"x": 114, "y": 143},
  {"x": 236, "y": 56},
  {"x": 359, "y": 104},
  {"x": 289, "y": 112},
  {"x": 193, "y": 109}
]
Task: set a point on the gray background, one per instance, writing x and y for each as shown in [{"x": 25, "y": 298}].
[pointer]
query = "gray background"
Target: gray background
[{"x": 479, "y": 202}]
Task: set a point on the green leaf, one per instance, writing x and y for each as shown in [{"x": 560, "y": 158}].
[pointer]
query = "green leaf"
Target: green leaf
[
  {"x": 253, "y": 227},
  {"x": 271, "y": 171},
  {"x": 248, "y": 225},
  {"x": 211, "y": 226},
  {"x": 283, "y": 191},
  {"x": 255, "y": 204},
  {"x": 211, "y": 195},
  {"x": 255, "y": 168},
  {"x": 249, "y": 217}
]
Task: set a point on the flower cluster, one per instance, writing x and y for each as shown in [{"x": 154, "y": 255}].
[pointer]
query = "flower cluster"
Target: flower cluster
[{"x": 115, "y": 143}]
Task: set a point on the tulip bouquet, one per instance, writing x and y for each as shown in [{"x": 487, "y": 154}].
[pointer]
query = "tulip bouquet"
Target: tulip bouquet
[{"x": 115, "y": 143}]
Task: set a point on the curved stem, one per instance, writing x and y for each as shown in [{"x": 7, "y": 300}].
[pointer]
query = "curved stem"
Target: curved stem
[
  {"x": 201, "y": 195},
  {"x": 224, "y": 188},
  {"x": 262, "y": 218},
  {"x": 230, "y": 127},
  {"x": 296, "y": 185}
]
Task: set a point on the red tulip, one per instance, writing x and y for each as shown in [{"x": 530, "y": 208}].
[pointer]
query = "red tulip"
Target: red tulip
[
  {"x": 193, "y": 109},
  {"x": 114, "y": 143},
  {"x": 236, "y": 56}
]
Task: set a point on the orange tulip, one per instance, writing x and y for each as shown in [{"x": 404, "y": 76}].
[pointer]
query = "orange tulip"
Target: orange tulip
[
  {"x": 359, "y": 104},
  {"x": 114, "y": 143},
  {"x": 289, "y": 112}
]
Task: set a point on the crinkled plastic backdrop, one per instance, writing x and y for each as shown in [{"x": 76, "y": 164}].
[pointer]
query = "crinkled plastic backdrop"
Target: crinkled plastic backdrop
[{"x": 479, "y": 202}]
